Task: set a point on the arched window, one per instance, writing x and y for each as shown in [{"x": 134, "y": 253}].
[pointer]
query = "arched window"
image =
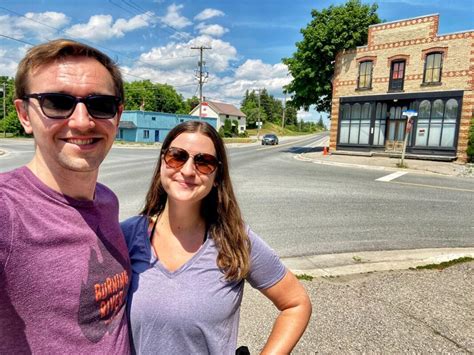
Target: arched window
[{"x": 424, "y": 109}]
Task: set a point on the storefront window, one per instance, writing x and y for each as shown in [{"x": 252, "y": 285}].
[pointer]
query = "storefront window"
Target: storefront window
[
  {"x": 436, "y": 124},
  {"x": 355, "y": 124},
  {"x": 379, "y": 128}
]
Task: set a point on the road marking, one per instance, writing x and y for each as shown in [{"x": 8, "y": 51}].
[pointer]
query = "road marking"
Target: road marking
[
  {"x": 392, "y": 176},
  {"x": 432, "y": 186}
]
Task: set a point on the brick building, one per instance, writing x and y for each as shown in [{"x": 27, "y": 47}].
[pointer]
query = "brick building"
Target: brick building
[{"x": 406, "y": 65}]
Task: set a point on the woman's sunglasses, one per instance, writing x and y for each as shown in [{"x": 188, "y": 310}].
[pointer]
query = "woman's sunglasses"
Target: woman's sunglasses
[
  {"x": 61, "y": 106},
  {"x": 176, "y": 157}
]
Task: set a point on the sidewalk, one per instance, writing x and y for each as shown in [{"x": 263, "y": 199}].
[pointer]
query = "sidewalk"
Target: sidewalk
[
  {"x": 390, "y": 164},
  {"x": 372, "y": 302},
  {"x": 390, "y": 312}
]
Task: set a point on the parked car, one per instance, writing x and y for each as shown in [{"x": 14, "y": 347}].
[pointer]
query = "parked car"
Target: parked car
[{"x": 269, "y": 139}]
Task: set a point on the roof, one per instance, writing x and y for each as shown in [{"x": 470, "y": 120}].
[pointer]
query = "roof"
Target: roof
[
  {"x": 226, "y": 109},
  {"x": 127, "y": 125}
]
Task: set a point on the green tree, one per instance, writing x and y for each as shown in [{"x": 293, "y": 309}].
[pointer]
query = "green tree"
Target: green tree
[
  {"x": 10, "y": 124},
  {"x": 291, "y": 114},
  {"x": 470, "y": 142},
  {"x": 140, "y": 95},
  {"x": 320, "y": 123},
  {"x": 190, "y": 104},
  {"x": 153, "y": 97},
  {"x": 330, "y": 31}
]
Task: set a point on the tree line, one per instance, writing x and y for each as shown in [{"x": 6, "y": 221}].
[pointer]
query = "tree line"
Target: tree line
[{"x": 149, "y": 96}]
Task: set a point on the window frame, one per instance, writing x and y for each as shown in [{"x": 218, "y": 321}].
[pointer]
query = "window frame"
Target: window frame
[
  {"x": 426, "y": 68},
  {"x": 391, "y": 81},
  {"x": 365, "y": 75}
]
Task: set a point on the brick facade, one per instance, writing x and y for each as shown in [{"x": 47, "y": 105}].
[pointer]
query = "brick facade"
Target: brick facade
[{"x": 409, "y": 40}]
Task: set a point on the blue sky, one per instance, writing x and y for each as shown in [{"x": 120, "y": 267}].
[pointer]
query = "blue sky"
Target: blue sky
[{"x": 152, "y": 39}]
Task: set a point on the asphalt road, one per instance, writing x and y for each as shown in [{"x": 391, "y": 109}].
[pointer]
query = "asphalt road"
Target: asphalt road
[{"x": 302, "y": 209}]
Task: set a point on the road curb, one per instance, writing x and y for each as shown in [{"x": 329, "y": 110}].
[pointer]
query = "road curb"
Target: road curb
[{"x": 371, "y": 261}]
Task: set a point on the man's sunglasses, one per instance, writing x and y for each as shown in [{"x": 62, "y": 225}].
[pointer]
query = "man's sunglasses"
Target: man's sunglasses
[
  {"x": 176, "y": 158},
  {"x": 61, "y": 106}
]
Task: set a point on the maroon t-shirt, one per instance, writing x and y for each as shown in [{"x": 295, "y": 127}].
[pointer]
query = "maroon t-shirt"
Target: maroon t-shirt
[{"x": 64, "y": 270}]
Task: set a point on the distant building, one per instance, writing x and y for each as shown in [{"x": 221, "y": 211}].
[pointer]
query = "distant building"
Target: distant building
[
  {"x": 405, "y": 65},
  {"x": 222, "y": 112},
  {"x": 149, "y": 127}
]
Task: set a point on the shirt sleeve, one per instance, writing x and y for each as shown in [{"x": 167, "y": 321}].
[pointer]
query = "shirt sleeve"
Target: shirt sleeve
[
  {"x": 266, "y": 268},
  {"x": 135, "y": 230}
]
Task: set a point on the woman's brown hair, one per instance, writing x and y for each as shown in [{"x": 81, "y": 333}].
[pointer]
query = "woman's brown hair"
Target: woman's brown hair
[{"x": 219, "y": 208}]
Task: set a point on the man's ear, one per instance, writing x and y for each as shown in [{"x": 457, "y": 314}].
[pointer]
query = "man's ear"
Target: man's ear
[{"x": 22, "y": 113}]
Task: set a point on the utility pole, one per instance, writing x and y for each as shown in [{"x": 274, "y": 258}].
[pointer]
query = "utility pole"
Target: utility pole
[
  {"x": 259, "y": 123},
  {"x": 4, "y": 93},
  {"x": 201, "y": 77},
  {"x": 284, "y": 111}
]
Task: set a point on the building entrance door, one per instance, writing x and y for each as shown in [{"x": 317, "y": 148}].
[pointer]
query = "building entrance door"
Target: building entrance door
[{"x": 396, "y": 128}]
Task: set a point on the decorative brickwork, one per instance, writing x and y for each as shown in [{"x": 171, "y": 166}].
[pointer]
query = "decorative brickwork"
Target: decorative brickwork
[
  {"x": 411, "y": 40},
  {"x": 404, "y": 57},
  {"x": 443, "y": 50}
]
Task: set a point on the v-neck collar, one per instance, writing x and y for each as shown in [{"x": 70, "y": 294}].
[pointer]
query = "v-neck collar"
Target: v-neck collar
[{"x": 155, "y": 262}]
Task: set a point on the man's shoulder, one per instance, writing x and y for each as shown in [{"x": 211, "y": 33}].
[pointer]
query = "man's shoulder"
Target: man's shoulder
[
  {"x": 11, "y": 184},
  {"x": 10, "y": 177}
]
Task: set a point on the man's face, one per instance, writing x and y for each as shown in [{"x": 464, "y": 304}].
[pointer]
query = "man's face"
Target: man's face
[{"x": 80, "y": 142}]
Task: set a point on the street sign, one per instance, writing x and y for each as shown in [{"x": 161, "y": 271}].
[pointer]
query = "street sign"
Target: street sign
[{"x": 409, "y": 114}]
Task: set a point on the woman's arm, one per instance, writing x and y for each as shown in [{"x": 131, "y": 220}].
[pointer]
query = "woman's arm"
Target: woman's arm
[{"x": 290, "y": 297}]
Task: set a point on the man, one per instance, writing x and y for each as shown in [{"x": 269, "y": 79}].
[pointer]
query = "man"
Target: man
[{"x": 64, "y": 266}]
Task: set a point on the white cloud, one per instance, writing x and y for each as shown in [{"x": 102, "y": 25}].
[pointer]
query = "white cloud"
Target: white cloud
[
  {"x": 180, "y": 55},
  {"x": 211, "y": 30},
  {"x": 40, "y": 25},
  {"x": 37, "y": 21},
  {"x": 171, "y": 56},
  {"x": 102, "y": 27},
  {"x": 9, "y": 60},
  {"x": 256, "y": 69},
  {"x": 8, "y": 27},
  {"x": 174, "y": 19},
  {"x": 207, "y": 14}
]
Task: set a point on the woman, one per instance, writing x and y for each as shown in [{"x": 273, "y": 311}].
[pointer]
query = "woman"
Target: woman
[{"x": 191, "y": 253}]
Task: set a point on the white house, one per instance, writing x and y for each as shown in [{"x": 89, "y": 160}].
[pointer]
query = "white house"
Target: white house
[{"x": 221, "y": 112}]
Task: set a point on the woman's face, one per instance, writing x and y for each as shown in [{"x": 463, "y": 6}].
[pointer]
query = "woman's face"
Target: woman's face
[{"x": 187, "y": 183}]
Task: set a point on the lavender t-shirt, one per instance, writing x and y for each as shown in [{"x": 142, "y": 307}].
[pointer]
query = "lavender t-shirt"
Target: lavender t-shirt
[
  {"x": 64, "y": 270},
  {"x": 192, "y": 310}
]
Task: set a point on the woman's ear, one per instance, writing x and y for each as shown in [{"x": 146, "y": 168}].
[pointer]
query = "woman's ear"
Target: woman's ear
[{"x": 22, "y": 113}]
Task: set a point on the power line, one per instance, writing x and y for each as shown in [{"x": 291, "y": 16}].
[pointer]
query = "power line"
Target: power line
[{"x": 16, "y": 39}]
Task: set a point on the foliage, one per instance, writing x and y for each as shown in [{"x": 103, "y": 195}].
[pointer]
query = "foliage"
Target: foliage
[
  {"x": 221, "y": 132},
  {"x": 470, "y": 142},
  {"x": 190, "y": 104},
  {"x": 312, "y": 65},
  {"x": 264, "y": 107},
  {"x": 148, "y": 96},
  {"x": 228, "y": 132},
  {"x": 10, "y": 124},
  {"x": 444, "y": 264},
  {"x": 304, "y": 277}
]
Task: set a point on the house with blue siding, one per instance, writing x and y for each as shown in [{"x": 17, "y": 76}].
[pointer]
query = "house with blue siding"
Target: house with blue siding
[{"x": 150, "y": 127}]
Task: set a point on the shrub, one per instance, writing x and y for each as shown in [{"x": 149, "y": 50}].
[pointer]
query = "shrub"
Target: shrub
[{"x": 470, "y": 143}]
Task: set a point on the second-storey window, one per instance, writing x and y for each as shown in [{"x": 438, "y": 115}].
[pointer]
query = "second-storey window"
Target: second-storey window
[
  {"x": 365, "y": 75},
  {"x": 433, "y": 65},
  {"x": 397, "y": 74}
]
